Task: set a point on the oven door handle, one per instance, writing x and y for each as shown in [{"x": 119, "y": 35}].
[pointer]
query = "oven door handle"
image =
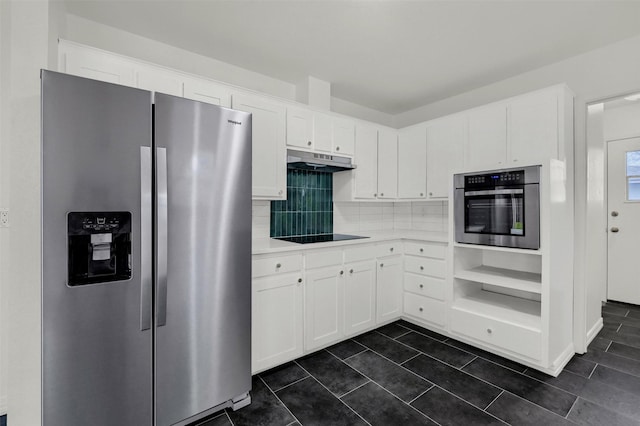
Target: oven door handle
[{"x": 494, "y": 192}]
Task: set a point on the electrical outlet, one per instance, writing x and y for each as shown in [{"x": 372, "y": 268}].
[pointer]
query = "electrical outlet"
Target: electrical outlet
[{"x": 4, "y": 218}]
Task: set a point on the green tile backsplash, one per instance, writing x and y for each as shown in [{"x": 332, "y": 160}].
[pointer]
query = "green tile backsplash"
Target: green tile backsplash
[{"x": 308, "y": 209}]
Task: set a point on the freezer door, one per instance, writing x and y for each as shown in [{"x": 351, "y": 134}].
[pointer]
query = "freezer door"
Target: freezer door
[
  {"x": 97, "y": 366},
  {"x": 203, "y": 333}
]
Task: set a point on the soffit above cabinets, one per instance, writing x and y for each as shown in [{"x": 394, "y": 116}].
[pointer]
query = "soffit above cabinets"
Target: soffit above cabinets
[{"x": 391, "y": 56}]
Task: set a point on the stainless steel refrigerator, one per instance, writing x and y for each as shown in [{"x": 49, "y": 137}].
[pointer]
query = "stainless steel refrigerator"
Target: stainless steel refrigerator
[{"x": 146, "y": 278}]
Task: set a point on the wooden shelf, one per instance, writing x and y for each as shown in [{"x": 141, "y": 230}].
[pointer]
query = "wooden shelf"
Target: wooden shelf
[
  {"x": 504, "y": 249},
  {"x": 515, "y": 310},
  {"x": 518, "y": 280}
]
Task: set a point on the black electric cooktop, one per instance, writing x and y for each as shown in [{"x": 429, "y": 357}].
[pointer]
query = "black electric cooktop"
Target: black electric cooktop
[{"x": 306, "y": 239}]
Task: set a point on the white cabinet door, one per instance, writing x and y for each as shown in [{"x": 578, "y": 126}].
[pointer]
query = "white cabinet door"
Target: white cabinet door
[
  {"x": 324, "y": 306},
  {"x": 487, "y": 144},
  {"x": 276, "y": 320},
  {"x": 322, "y": 133},
  {"x": 412, "y": 163},
  {"x": 533, "y": 129},
  {"x": 445, "y": 154},
  {"x": 344, "y": 136},
  {"x": 359, "y": 297},
  {"x": 269, "y": 149},
  {"x": 98, "y": 66},
  {"x": 205, "y": 91},
  {"x": 159, "y": 80},
  {"x": 389, "y": 289},
  {"x": 299, "y": 128},
  {"x": 366, "y": 161},
  {"x": 387, "y": 164}
]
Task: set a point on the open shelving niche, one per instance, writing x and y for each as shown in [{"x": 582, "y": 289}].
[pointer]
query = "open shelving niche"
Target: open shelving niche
[{"x": 505, "y": 285}]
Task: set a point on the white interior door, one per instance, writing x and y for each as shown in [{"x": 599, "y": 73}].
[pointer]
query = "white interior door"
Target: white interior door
[{"x": 623, "y": 185}]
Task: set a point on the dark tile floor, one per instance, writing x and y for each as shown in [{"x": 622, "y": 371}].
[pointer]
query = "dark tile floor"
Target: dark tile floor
[{"x": 402, "y": 374}]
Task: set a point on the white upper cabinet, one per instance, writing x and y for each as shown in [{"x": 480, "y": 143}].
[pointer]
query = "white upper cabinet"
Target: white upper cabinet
[
  {"x": 445, "y": 154},
  {"x": 412, "y": 163},
  {"x": 299, "y": 128},
  {"x": 487, "y": 144},
  {"x": 206, "y": 91},
  {"x": 156, "y": 79},
  {"x": 95, "y": 64},
  {"x": 366, "y": 161},
  {"x": 323, "y": 133},
  {"x": 344, "y": 136},
  {"x": 533, "y": 128},
  {"x": 387, "y": 164},
  {"x": 269, "y": 149}
]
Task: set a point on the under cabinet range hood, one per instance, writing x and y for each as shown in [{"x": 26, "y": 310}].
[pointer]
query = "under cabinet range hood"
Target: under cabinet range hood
[{"x": 325, "y": 163}]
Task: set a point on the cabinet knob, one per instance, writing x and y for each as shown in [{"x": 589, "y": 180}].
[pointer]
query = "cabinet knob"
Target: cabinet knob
[
  {"x": 351, "y": 271},
  {"x": 615, "y": 229},
  {"x": 278, "y": 265},
  {"x": 280, "y": 192},
  {"x": 489, "y": 331},
  {"x": 375, "y": 195},
  {"x": 390, "y": 248},
  {"x": 515, "y": 160},
  {"x": 421, "y": 285},
  {"x": 337, "y": 148},
  {"x": 422, "y": 194},
  {"x": 422, "y": 268},
  {"x": 309, "y": 143},
  {"x": 430, "y": 194},
  {"x": 382, "y": 194},
  {"x": 299, "y": 280},
  {"x": 420, "y": 309},
  {"x": 421, "y": 250},
  {"x": 341, "y": 272},
  {"x": 614, "y": 213},
  {"x": 381, "y": 265}
]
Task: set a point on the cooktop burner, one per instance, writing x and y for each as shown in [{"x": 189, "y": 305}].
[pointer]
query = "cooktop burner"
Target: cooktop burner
[{"x": 306, "y": 239}]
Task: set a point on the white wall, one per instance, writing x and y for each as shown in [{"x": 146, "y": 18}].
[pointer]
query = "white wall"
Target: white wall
[
  {"x": 602, "y": 73},
  {"x": 4, "y": 201},
  {"x": 621, "y": 122}
]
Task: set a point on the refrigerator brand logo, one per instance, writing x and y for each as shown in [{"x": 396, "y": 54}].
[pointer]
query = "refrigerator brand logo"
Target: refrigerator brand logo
[{"x": 238, "y": 123}]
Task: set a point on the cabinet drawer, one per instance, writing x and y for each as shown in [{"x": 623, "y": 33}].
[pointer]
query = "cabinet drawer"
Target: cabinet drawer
[
  {"x": 388, "y": 249},
  {"x": 500, "y": 334},
  {"x": 323, "y": 258},
  {"x": 276, "y": 265},
  {"x": 357, "y": 254},
  {"x": 425, "y": 308},
  {"x": 425, "y": 286},
  {"x": 435, "y": 250},
  {"x": 425, "y": 266}
]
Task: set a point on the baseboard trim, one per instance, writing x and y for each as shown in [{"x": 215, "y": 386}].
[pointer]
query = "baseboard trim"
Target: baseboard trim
[{"x": 593, "y": 332}]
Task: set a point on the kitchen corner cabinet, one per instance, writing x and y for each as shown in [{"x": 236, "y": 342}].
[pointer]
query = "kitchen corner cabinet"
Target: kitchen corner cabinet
[
  {"x": 445, "y": 154},
  {"x": 412, "y": 163},
  {"x": 389, "y": 289},
  {"x": 387, "y": 164},
  {"x": 269, "y": 147},
  {"x": 359, "y": 297}
]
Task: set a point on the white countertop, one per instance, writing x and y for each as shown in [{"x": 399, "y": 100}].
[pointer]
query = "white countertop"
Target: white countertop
[{"x": 270, "y": 245}]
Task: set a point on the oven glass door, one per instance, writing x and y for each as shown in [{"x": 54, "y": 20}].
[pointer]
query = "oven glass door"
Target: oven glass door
[{"x": 495, "y": 212}]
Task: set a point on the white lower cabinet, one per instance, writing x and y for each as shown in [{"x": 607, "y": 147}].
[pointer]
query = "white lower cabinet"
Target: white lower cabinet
[
  {"x": 425, "y": 309},
  {"x": 359, "y": 297},
  {"x": 389, "y": 289},
  {"x": 276, "y": 330},
  {"x": 324, "y": 306}
]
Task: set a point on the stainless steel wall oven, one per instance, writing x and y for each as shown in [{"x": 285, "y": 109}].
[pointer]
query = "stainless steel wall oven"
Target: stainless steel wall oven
[{"x": 498, "y": 208}]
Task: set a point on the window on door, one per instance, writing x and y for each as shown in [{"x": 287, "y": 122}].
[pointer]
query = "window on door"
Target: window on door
[{"x": 633, "y": 176}]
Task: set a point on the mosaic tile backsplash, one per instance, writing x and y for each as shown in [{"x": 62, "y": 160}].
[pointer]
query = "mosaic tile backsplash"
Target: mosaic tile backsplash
[{"x": 308, "y": 209}]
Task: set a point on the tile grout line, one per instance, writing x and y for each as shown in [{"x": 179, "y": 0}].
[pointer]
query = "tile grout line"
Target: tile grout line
[
  {"x": 619, "y": 327},
  {"x": 474, "y": 358},
  {"x": 413, "y": 357},
  {"x": 494, "y": 400},
  {"x": 608, "y": 346},
  {"x": 592, "y": 371},
  {"x": 364, "y": 349},
  {"x": 357, "y": 387},
  {"x": 327, "y": 389},
  {"x": 229, "y": 418},
  {"x": 572, "y": 405},
  {"x": 290, "y": 384},
  {"x": 403, "y": 334},
  {"x": 281, "y": 401},
  {"x": 474, "y": 406},
  {"x": 428, "y": 389}
]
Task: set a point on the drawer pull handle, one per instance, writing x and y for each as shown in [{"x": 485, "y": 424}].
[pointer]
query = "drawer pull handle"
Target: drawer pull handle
[
  {"x": 421, "y": 285},
  {"x": 381, "y": 265},
  {"x": 337, "y": 148},
  {"x": 278, "y": 265},
  {"x": 309, "y": 143},
  {"x": 421, "y": 250},
  {"x": 420, "y": 309},
  {"x": 422, "y": 268},
  {"x": 351, "y": 271},
  {"x": 489, "y": 331},
  {"x": 391, "y": 249},
  {"x": 341, "y": 272},
  {"x": 299, "y": 280}
]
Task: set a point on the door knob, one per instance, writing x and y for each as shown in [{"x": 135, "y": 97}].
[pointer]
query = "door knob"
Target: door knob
[
  {"x": 614, "y": 213},
  {"x": 614, "y": 229}
]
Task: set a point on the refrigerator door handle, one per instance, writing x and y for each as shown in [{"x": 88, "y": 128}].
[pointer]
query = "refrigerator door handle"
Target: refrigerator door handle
[
  {"x": 146, "y": 264},
  {"x": 162, "y": 236}
]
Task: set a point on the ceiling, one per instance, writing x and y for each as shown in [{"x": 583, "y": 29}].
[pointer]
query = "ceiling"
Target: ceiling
[{"x": 392, "y": 55}]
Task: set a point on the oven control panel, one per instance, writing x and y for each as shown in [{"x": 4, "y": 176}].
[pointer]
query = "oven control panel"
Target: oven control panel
[{"x": 493, "y": 180}]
